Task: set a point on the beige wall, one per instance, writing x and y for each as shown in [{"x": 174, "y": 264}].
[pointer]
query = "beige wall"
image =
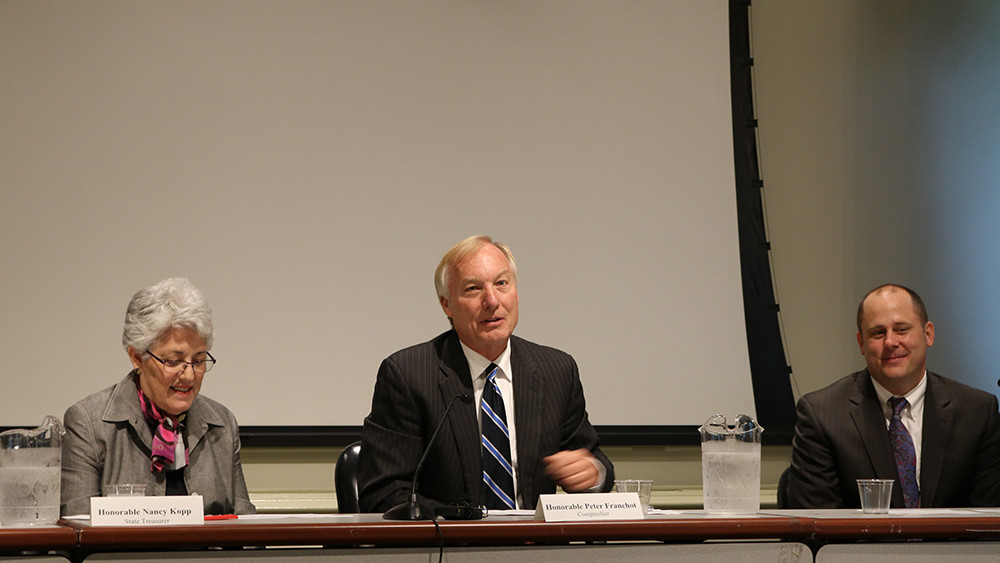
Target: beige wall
[
  {"x": 805, "y": 75},
  {"x": 878, "y": 147},
  {"x": 301, "y": 479}
]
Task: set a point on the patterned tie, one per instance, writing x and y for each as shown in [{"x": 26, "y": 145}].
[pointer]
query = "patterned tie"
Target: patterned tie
[
  {"x": 906, "y": 454},
  {"x": 498, "y": 475}
]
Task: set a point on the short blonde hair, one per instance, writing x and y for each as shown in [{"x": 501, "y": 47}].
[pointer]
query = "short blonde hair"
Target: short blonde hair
[{"x": 460, "y": 252}]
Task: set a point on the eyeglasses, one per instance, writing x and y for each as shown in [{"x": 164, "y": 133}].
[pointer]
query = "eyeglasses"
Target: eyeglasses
[{"x": 177, "y": 367}]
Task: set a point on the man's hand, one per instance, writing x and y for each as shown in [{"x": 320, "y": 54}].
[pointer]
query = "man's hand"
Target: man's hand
[{"x": 574, "y": 470}]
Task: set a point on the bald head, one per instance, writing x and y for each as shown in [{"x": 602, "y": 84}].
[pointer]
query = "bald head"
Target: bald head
[{"x": 918, "y": 303}]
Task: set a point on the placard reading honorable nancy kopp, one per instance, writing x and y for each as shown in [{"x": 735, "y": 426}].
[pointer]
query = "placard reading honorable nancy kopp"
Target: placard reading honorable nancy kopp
[
  {"x": 589, "y": 506},
  {"x": 146, "y": 511}
]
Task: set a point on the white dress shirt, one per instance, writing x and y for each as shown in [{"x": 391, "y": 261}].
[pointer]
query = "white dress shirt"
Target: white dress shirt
[{"x": 505, "y": 382}]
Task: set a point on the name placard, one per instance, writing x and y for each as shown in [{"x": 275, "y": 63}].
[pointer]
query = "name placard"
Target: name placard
[
  {"x": 146, "y": 511},
  {"x": 589, "y": 506}
]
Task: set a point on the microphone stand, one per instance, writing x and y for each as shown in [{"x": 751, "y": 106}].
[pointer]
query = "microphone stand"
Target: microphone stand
[{"x": 412, "y": 509}]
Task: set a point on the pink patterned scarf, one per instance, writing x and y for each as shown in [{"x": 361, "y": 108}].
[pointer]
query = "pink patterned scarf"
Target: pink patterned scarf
[{"x": 165, "y": 434}]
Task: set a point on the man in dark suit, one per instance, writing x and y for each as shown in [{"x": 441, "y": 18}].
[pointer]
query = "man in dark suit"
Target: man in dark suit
[
  {"x": 950, "y": 448},
  {"x": 551, "y": 439}
]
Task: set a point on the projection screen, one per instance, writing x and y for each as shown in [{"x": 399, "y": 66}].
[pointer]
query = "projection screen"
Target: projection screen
[{"x": 306, "y": 164}]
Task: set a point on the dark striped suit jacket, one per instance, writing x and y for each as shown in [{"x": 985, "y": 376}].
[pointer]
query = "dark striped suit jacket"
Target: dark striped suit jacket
[
  {"x": 841, "y": 436},
  {"x": 412, "y": 392}
]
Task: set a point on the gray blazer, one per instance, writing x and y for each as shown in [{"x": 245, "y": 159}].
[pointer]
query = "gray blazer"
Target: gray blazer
[
  {"x": 841, "y": 436},
  {"x": 108, "y": 441}
]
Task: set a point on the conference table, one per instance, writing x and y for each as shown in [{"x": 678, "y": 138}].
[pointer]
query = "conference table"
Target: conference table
[
  {"x": 691, "y": 535},
  {"x": 351, "y": 530},
  {"x": 39, "y": 538},
  {"x": 501, "y": 538}
]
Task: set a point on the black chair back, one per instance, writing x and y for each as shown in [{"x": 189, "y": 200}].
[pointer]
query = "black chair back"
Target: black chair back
[
  {"x": 783, "y": 488},
  {"x": 345, "y": 479}
]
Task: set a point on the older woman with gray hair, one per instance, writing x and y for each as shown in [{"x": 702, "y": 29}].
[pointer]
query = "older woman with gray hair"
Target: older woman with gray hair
[{"x": 153, "y": 427}]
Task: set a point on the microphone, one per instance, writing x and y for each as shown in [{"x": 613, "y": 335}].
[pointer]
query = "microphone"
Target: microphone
[{"x": 411, "y": 509}]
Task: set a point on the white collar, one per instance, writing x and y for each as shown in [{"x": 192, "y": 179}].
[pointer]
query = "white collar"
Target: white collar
[
  {"x": 478, "y": 363},
  {"x": 913, "y": 396}
]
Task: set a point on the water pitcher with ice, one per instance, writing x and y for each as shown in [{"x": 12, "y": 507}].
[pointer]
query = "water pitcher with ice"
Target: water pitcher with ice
[
  {"x": 30, "y": 461},
  {"x": 730, "y": 464}
]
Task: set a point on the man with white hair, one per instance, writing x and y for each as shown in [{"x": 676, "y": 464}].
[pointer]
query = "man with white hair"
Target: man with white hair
[{"x": 527, "y": 429}]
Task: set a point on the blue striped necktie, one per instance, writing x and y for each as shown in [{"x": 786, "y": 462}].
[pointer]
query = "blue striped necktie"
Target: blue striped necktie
[
  {"x": 906, "y": 454},
  {"x": 498, "y": 474}
]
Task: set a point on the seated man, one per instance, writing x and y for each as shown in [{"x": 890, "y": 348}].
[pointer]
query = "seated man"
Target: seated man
[
  {"x": 938, "y": 439},
  {"x": 520, "y": 426}
]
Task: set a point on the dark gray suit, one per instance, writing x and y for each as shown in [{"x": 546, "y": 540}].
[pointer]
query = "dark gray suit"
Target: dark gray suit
[
  {"x": 108, "y": 441},
  {"x": 841, "y": 436},
  {"x": 412, "y": 392}
]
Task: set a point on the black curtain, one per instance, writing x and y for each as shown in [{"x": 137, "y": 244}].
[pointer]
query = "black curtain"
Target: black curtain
[{"x": 770, "y": 371}]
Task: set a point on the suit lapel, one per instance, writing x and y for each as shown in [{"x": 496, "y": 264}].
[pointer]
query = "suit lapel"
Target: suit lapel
[
  {"x": 866, "y": 413},
  {"x": 124, "y": 407},
  {"x": 527, "y": 404},
  {"x": 456, "y": 380},
  {"x": 198, "y": 419},
  {"x": 936, "y": 429}
]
